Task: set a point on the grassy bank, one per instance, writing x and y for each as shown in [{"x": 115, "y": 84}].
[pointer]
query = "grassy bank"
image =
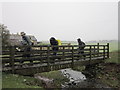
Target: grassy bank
[
  {"x": 17, "y": 81},
  {"x": 110, "y": 74},
  {"x": 114, "y": 57}
]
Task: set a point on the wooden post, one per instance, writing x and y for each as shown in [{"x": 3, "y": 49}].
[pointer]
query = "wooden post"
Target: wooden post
[
  {"x": 12, "y": 52},
  {"x": 94, "y": 51},
  {"x": 98, "y": 49},
  {"x": 103, "y": 52},
  {"x": 107, "y": 50},
  {"x": 63, "y": 53},
  {"x": 90, "y": 54},
  {"x": 48, "y": 58},
  {"x": 40, "y": 54},
  {"x": 31, "y": 54},
  {"x": 72, "y": 56}
]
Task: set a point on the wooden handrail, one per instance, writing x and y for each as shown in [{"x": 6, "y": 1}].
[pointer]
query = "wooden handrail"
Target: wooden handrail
[{"x": 44, "y": 53}]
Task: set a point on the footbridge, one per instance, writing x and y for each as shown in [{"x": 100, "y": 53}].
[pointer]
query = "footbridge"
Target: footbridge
[{"x": 42, "y": 59}]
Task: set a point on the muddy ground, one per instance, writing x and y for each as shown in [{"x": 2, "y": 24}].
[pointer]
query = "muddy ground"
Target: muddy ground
[{"x": 109, "y": 74}]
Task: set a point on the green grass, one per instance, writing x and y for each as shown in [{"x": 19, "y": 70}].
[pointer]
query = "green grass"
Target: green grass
[
  {"x": 112, "y": 82},
  {"x": 114, "y": 57},
  {"x": 110, "y": 75},
  {"x": 79, "y": 68},
  {"x": 17, "y": 81}
]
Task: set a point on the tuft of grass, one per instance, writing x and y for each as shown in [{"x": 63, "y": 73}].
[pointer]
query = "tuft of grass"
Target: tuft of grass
[
  {"x": 17, "y": 81},
  {"x": 79, "y": 68}
]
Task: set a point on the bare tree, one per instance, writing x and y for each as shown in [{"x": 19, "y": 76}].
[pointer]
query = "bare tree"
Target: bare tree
[{"x": 4, "y": 35}]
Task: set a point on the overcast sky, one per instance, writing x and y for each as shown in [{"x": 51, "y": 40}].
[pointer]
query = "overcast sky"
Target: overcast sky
[{"x": 63, "y": 20}]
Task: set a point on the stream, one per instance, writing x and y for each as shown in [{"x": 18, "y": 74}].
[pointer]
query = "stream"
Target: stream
[
  {"x": 79, "y": 80},
  {"x": 76, "y": 80}
]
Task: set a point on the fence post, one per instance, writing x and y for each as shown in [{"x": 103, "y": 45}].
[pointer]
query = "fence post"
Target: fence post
[
  {"x": 103, "y": 52},
  {"x": 63, "y": 53},
  {"x": 31, "y": 54},
  {"x": 48, "y": 58},
  {"x": 12, "y": 57},
  {"x": 94, "y": 51},
  {"x": 107, "y": 50},
  {"x": 40, "y": 54},
  {"x": 98, "y": 49},
  {"x": 72, "y": 56},
  {"x": 90, "y": 54}
]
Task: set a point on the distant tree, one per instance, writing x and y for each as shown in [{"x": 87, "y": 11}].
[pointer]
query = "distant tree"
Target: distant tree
[{"x": 4, "y": 35}]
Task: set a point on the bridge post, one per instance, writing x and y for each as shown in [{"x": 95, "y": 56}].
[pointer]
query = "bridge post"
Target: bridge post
[
  {"x": 98, "y": 49},
  {"x": 48, "y": 58},
  {"x": 72, "y": 56},
  {"x": 90, "y": 54},
  {"x": 107, "y": 50},
  {"x": 63, "y": 54},
  {"x": 40, "y": 53},
  {"x": 94, "y": 50},
  {"x": 104, "y": 52},
  {"x": 12, "y": 52}
]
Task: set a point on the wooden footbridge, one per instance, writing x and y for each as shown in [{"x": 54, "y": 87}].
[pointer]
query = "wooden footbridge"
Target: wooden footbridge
[{"x": 42, "y": 59}]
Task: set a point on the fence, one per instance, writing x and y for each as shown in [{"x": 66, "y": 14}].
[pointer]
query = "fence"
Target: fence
[{"x": 42, "y": 56}]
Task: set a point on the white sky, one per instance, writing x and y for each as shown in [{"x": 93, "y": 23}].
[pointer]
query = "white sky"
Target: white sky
[{"x": 63, "y": 20}]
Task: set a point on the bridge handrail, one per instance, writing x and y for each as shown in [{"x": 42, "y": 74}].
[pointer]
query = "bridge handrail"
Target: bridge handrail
[{"x": 12, "y": 56}]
